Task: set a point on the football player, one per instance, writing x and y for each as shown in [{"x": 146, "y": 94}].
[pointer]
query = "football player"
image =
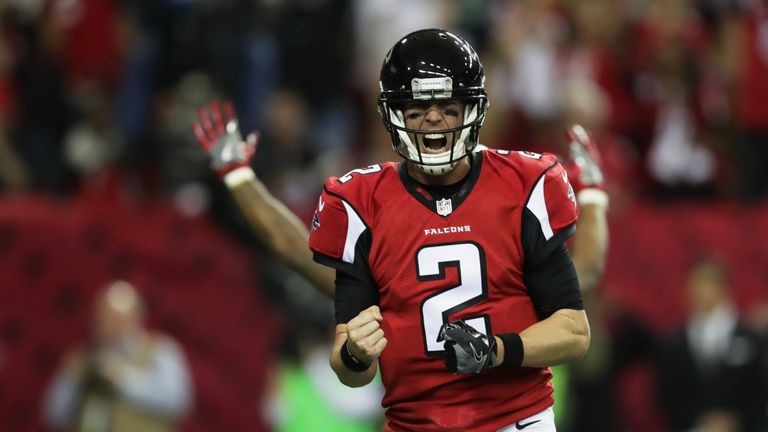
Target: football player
[
  {"x": 287, "y": 236},
  {"x": 454, "y": 260},
  {"x": 452, "y": 273}
]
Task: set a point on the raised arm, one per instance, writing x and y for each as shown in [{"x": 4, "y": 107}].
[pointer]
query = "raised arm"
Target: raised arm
[
  {"x": 284, "y": 234},
  {"x": 590, "y": 242}
]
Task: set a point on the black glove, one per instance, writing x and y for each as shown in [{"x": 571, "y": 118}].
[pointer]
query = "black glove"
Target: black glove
[{"x": 466, "y": 349}]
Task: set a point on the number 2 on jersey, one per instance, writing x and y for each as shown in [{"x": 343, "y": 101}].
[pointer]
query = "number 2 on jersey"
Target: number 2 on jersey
[
  {"x": 370, "y": 170},
  {"x": 471, "y": 289}
]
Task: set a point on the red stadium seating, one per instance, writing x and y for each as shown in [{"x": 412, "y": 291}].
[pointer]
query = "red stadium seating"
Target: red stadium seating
[{"x": 200, "y": 287}]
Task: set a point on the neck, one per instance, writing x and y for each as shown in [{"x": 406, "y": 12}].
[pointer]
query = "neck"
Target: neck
[{"x": 453, "y": 176}]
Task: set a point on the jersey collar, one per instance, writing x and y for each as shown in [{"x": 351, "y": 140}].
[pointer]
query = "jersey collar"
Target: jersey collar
[{"x": 429, "y": 195}]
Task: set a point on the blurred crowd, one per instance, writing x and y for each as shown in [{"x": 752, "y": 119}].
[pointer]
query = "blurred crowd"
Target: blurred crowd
[
  {"x": 94, "y": 92},
  {"x": 97, "y": 98}
]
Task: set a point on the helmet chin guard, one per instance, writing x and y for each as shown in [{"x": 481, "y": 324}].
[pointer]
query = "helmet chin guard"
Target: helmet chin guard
[
  {"x": 432, "y": 65},
  {"x": 435, "y": 163}
]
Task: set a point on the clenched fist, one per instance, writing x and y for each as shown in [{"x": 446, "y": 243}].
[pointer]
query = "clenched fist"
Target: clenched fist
[{"x": 365, "y": 338}]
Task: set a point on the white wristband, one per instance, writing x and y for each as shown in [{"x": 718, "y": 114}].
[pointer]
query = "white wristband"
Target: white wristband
[
  {"x": 592, "y": 196},
  {"x": 239, "y": 176}
]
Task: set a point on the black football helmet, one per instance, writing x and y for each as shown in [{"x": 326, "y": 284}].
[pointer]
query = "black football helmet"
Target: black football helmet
[{"x": 432, "y": 65}]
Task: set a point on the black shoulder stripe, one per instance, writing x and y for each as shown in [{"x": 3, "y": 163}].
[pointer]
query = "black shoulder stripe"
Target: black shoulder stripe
[
  {"x": 559, "y": 238},
  {"x": 340, "y": 265},
  {"x": 341, "y": 197}
]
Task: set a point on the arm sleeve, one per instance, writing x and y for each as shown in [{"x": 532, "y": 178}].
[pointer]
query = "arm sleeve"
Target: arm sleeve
[
  {"x": 355, "y": 287},
  {"x": 549, "y": 218},
  {"x": 353, "y": 295},
  {"x": 553, "y": 283},
  {"x": 339, "y": 238}
]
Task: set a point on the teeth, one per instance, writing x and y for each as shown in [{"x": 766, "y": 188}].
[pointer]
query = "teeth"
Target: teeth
[{"x": 434, "y": 136}]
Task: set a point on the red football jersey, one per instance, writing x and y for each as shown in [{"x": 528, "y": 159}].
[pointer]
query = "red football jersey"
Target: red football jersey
[{"x": 435, "y": 262}]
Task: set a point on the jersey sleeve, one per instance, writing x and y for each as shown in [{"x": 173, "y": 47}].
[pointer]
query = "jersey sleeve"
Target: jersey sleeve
[
  {"x": 550, "y": 213},
  {"x": 339, "y": 237}
]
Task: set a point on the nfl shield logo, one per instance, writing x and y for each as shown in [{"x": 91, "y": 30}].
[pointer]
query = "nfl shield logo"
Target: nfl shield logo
[{"x": 444, "y": 207}]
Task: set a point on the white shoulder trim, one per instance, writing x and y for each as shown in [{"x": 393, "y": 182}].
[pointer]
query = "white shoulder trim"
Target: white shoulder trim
[
  {"x": 538, "y": 206},
  {"x": 355, "y": 227}
]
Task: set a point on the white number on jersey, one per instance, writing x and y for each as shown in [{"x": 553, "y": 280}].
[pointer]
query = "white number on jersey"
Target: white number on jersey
[{"x": 437, "y": 309}]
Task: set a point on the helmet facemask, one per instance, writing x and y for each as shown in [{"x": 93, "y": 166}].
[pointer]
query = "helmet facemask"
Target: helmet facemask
[
  {"x": 432, "y": 66},
  {"x": 462, "y": 139}
]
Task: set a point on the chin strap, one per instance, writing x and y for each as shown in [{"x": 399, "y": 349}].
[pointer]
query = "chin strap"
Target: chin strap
[{"x": 437, "y": 169}]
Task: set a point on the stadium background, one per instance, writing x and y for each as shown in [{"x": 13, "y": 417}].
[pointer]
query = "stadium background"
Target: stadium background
[{"x": 100, "y": 176}]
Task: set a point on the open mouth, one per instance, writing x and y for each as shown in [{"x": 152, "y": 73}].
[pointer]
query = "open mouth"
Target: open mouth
[{"x": 434, "y": 143}]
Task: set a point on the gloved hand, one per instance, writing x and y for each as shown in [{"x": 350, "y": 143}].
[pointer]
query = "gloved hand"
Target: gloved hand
[
  {"x": 584, "y": 168},
  {"x": 218, "y": 133},
  {"x": 466, "y": 350}
]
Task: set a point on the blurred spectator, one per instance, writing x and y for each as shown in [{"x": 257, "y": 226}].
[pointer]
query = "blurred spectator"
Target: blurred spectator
[
  {"x": 44, "y": 112},
  {"x": 711, "y": 373},
  {"x": 290, "y": 162},
  {"x": 524, "y": 75},
  {"x": 586, "y": 104},
  {"x": 125, "y": 379},
  {"x": 84, "y": 35},
  {"x": 378, "y": 22},
  {"x": 308, "y": 55},
  {"x": 620, "y": 342},
  {"x": 678, "y": 158},
  {"x": 92, "y": 144},
  {"x": 757, "y": 316},
  {"x": 165, "y": 41},
  {"x": 13, "y": 172},
  {"x": 749, "y": 41},
  {"x": 674, "y": 82},
  {"x": 286, "y": 136}
]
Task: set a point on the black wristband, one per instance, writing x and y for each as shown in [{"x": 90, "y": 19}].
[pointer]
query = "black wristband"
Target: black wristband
[
  {"x": 351, "y": 362},
  {"x": 513, "y": 350}
]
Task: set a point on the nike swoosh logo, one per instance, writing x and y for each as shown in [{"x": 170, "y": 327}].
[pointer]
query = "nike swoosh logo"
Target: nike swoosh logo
[
  {"x": 320, "y": 204},
  {"x": 521, "y": 426},
  {"x": 477, "y": 355}
]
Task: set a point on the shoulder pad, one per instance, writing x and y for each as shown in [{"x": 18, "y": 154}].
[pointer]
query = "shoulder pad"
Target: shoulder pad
[
  {"x": 552, "y": 200},
  {"x": 336, "y": 227},
  {"x": 358, "y": 183},
  {"x": 526, "y": 160},
  {"x": 340, "y": 217},
  {"x": 544, "y": 185}
]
